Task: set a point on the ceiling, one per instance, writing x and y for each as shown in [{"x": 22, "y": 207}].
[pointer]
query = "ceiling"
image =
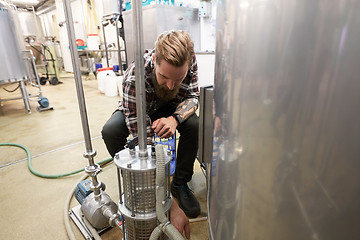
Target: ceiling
[{"x": 38, "y": 5}]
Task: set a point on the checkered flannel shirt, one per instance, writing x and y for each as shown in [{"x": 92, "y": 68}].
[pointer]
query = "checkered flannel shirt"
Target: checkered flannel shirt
[{"x": 185, "y": 102}]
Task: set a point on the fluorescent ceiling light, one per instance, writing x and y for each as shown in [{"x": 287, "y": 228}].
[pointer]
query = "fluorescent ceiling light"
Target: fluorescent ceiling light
[
  {"x": 25, "y": 2},
  {"x": 244, "y": 4}
]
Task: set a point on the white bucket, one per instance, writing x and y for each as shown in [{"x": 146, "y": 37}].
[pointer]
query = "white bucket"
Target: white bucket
[{"x": 102, "y": 73}]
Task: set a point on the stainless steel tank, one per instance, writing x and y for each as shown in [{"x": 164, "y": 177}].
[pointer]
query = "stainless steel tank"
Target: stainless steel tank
[
  {"x": 286, "y": 148},
  {"x": 30, "y": 25},
  {"x": 12, "y": 66},
  {"x": 111, "y": 7}
]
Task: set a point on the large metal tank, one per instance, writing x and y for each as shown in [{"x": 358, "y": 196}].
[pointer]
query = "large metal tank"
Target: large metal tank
[
  {"x": 30, "y": 25},
  {"x": 111, "y": 7},
  {"x": 12, "y": 66},
  {"x": 159, "y": 18},
  {"x": 286, "y": 146}
]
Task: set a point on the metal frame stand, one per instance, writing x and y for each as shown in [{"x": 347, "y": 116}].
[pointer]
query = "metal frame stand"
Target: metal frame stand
[
  {"x": 25, "y": 96},
  {"x": 105, "y": 21}
]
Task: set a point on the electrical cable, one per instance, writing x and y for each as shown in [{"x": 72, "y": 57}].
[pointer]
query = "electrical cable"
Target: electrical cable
[
  {"x": 47, "y": 175},
  {"x": 10, "y": 91},
  {"x": 67, "y": 223}
]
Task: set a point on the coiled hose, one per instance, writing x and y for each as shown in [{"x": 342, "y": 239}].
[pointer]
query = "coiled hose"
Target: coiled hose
[{"x": 46, "y": 175}]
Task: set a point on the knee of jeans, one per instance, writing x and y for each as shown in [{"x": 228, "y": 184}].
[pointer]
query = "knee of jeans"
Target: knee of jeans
[
  {"x": 107, "y": 132},
  {"x": 192, "y": 127}
]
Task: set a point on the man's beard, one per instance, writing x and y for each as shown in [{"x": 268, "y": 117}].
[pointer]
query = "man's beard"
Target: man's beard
[{"x": 162, "y": 91}]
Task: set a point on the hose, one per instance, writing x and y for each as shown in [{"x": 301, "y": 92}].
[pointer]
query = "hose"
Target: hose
[
  {"x": 46, "y": 175},
  {"x": 68, "y": 228},
  {"x": 155, "y": 233},
  {"x": 160, "y": 182},
  {"x": 92, "y": 229},
  {"x": 172, "y": 232},
  {"x": 165, "y": 225}
]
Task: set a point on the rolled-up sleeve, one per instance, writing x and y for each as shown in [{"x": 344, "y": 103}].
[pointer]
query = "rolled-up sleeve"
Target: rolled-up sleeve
[{"x": 191, "y": 99}]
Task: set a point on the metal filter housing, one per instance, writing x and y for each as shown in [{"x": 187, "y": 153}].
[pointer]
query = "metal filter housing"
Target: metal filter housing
[{"x": 137, "y": 190}]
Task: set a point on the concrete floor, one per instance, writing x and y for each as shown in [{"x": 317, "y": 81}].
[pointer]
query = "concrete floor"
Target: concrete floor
[{"x": 32, "y": 207}]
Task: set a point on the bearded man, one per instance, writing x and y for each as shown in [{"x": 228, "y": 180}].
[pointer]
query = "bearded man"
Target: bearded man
[{"x": 172, "y": 95}]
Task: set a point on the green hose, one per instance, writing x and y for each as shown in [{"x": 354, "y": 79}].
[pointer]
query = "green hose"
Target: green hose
[{"x": 46, "y": 175}]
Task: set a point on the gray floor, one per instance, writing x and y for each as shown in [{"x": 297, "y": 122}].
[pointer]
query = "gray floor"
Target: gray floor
[{"x": 33, "y": 207}]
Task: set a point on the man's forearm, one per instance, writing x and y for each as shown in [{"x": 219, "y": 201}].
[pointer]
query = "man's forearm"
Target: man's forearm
[{"x": 185, "y": 109}]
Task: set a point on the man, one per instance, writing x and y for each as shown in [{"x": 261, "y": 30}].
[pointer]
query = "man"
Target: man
[{"x": 171, "y": 87}]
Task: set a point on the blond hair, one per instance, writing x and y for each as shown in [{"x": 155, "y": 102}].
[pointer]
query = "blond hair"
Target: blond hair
[{"x": 175, "y": 47}]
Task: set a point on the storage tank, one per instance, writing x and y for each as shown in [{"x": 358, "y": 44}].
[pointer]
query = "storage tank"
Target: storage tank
[
  {"x": 12, "y": 66},
  {"x": 111, "y": 7},
  {"x": 30, "y": 25},
  {"x": 286, "y": 148}
]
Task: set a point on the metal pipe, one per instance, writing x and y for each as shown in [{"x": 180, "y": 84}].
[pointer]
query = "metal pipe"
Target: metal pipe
[
  {"x": 119, "y": 183},
  {"x": 93, "y": 169},
  {"x": 33, "y": 66},
  {"x": 139, "y": 75},
  {"x": 25, "y": 95},
  {"x": 105, "y": 45},
  {"x": 118, "y": 43}
]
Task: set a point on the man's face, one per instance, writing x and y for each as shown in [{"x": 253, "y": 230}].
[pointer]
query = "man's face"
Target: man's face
[{"x": 168, "y": 79}]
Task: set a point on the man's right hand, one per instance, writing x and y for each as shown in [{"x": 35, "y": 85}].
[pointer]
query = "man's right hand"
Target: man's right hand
[{"x": 165, "y": 127}]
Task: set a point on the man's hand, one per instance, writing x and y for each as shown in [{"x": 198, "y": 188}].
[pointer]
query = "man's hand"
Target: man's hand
[
  {"x": 165, "y": 127},
  {"x": 179, "y": 220}
]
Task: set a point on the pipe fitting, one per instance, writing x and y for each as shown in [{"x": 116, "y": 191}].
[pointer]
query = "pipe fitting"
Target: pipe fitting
[
  {"x": 89, "y": 154},
  {"x": 93, "y": 170},
  {"x": 111, "y": 215}
]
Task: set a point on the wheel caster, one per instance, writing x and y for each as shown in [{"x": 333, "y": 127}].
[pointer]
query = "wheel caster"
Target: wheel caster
[
  {"x": 43, "y": 80},
  {"x": 54, "y": 81}
]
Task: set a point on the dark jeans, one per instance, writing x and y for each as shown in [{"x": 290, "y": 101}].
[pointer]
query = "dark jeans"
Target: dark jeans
[{"x": 115, "y": 132}]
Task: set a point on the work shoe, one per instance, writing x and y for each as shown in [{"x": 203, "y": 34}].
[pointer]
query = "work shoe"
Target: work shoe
[{"x": 186, "y": 200}]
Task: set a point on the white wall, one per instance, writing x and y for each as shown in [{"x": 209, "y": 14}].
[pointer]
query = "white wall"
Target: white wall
[{"x": 206, "y": 66}]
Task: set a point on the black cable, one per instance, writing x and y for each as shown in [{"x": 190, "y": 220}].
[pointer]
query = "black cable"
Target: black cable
[
  {"x": 10, "y": 91},
  {"x": 35, "y": 48}
]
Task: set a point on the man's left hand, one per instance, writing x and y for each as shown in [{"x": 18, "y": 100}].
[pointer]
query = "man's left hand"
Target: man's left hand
[
  {"x": 179, "y": 220},
  {"x": 165, "y": 127}
]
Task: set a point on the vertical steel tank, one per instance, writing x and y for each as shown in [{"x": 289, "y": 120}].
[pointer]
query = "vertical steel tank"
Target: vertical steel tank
[
  {"x": 286, "y": 152},
  {"x": 30, "y": 25},
  {"x": 12, "y": 66}
]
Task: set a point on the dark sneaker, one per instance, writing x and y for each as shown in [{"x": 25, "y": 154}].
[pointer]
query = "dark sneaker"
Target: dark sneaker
[{"x": 186, "y": 199}]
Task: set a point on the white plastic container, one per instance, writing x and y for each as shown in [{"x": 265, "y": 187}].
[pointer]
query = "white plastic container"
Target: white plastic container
[
  {"x": 93, "y": 42},
  {"x": 111, "y": 86},
  {"x": 102, "y": 74}
]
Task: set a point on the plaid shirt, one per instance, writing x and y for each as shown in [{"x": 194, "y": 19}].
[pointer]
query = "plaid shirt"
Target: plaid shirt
[{"x": 185, "y": 102}]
